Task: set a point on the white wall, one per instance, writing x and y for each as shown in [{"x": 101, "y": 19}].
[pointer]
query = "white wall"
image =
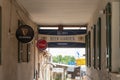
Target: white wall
[
  {"x": 1, "y": 69},
  {"x": 115, "y": 36},
  {"x": 10, "y": 68},
  {"x": 103, "y": 74}
]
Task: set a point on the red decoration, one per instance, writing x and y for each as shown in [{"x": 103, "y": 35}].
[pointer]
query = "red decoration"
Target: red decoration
[{"x": 41, "y": 44}]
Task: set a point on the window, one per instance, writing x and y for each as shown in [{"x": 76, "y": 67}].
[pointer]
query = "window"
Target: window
[
  {"x": 86, "y": 43},
  {"x": 74, "y": 28},
  {"x": 108, "y": 35},
  {"x": 0, "y": 32},
  {"x": 51, "y": 28},
  {"x": 88, "y": 49},
  {"x": 94, "y": 45},
  {"x": 99, "y": 43}
]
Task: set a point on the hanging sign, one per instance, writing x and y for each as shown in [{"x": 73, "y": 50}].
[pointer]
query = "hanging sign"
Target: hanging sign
[
  {"x": 24, "y": 33},
  {"x": 41, "y": 44},
  {"x": 64, "y": 38}
]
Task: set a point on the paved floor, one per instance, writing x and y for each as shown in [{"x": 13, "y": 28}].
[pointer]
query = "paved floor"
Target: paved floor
[{"x": 84, "y": 78}]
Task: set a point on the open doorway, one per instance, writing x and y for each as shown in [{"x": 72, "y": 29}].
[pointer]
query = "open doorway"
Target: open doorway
[
  {"x": 66, "y": 46},
  {"x": 70, "y": 60}
]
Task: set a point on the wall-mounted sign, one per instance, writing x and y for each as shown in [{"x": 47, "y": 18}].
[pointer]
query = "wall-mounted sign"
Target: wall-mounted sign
[
  {"x": 41, "y": 44},
  {"x": 64, "y": 38},
  {"x": 24, "y": 33},
  {"x": 80, "y": 61}
]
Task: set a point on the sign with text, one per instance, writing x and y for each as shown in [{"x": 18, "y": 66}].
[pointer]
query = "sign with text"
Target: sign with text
[
  {"x": 24, "y": 33},
  {"x": 80, "y": 61},
  {"x": 41, "y": 44},
  {"x": 65, "y": 38}
]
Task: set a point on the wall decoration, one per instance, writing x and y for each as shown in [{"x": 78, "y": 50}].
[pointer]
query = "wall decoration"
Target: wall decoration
[
  {"x": 23, "y": 49},
  {"x": 24, "y": 33}
]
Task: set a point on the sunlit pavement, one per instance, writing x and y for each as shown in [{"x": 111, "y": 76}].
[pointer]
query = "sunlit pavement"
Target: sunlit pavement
[{"x": 82, "y": 78}]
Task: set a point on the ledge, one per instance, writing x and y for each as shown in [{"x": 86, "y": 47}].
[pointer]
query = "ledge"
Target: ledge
[{"x": 115, "y": 76}]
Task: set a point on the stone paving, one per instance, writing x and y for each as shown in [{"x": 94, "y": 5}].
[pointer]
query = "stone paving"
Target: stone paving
[{"x": 84, "y": 78}]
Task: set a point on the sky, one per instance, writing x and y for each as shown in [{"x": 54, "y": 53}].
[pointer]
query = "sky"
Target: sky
[{"x": 76, "y": 52}]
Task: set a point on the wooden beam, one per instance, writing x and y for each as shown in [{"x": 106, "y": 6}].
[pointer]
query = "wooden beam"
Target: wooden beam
[{"x": 83, "y": 25}]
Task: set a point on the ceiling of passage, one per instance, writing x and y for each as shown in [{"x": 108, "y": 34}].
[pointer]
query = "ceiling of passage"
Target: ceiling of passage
[{"x": 49, "y": 12}]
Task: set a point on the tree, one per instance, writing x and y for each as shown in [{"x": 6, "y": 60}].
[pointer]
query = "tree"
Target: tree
[{"x": 63, "y": 60}]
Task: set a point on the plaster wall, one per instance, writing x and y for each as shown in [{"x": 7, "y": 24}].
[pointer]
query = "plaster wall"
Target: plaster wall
[
  {"x": 104, "y": 74},
  {"x": 10, "y": 69}
]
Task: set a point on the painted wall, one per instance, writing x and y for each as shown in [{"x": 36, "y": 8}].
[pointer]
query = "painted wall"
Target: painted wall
[
  {"x": 1, "y": 68},
  {"x": 104, "y": 74},
  {"x": 10, "y": 69}
]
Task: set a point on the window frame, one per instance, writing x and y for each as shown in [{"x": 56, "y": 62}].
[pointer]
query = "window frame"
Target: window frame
[
  {"x": 86, "y": 42},
  {"x": 94, "y": 45},
  {"x": 108, "y": 10},
  {"x": 99, "y": 43},
  {"x": 88, "y": 48},
  {"x": 0, "y": 35}
]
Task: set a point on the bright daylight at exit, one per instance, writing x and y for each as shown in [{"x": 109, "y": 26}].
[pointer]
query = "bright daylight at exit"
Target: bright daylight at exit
[{"x": 67, "y": 50}]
